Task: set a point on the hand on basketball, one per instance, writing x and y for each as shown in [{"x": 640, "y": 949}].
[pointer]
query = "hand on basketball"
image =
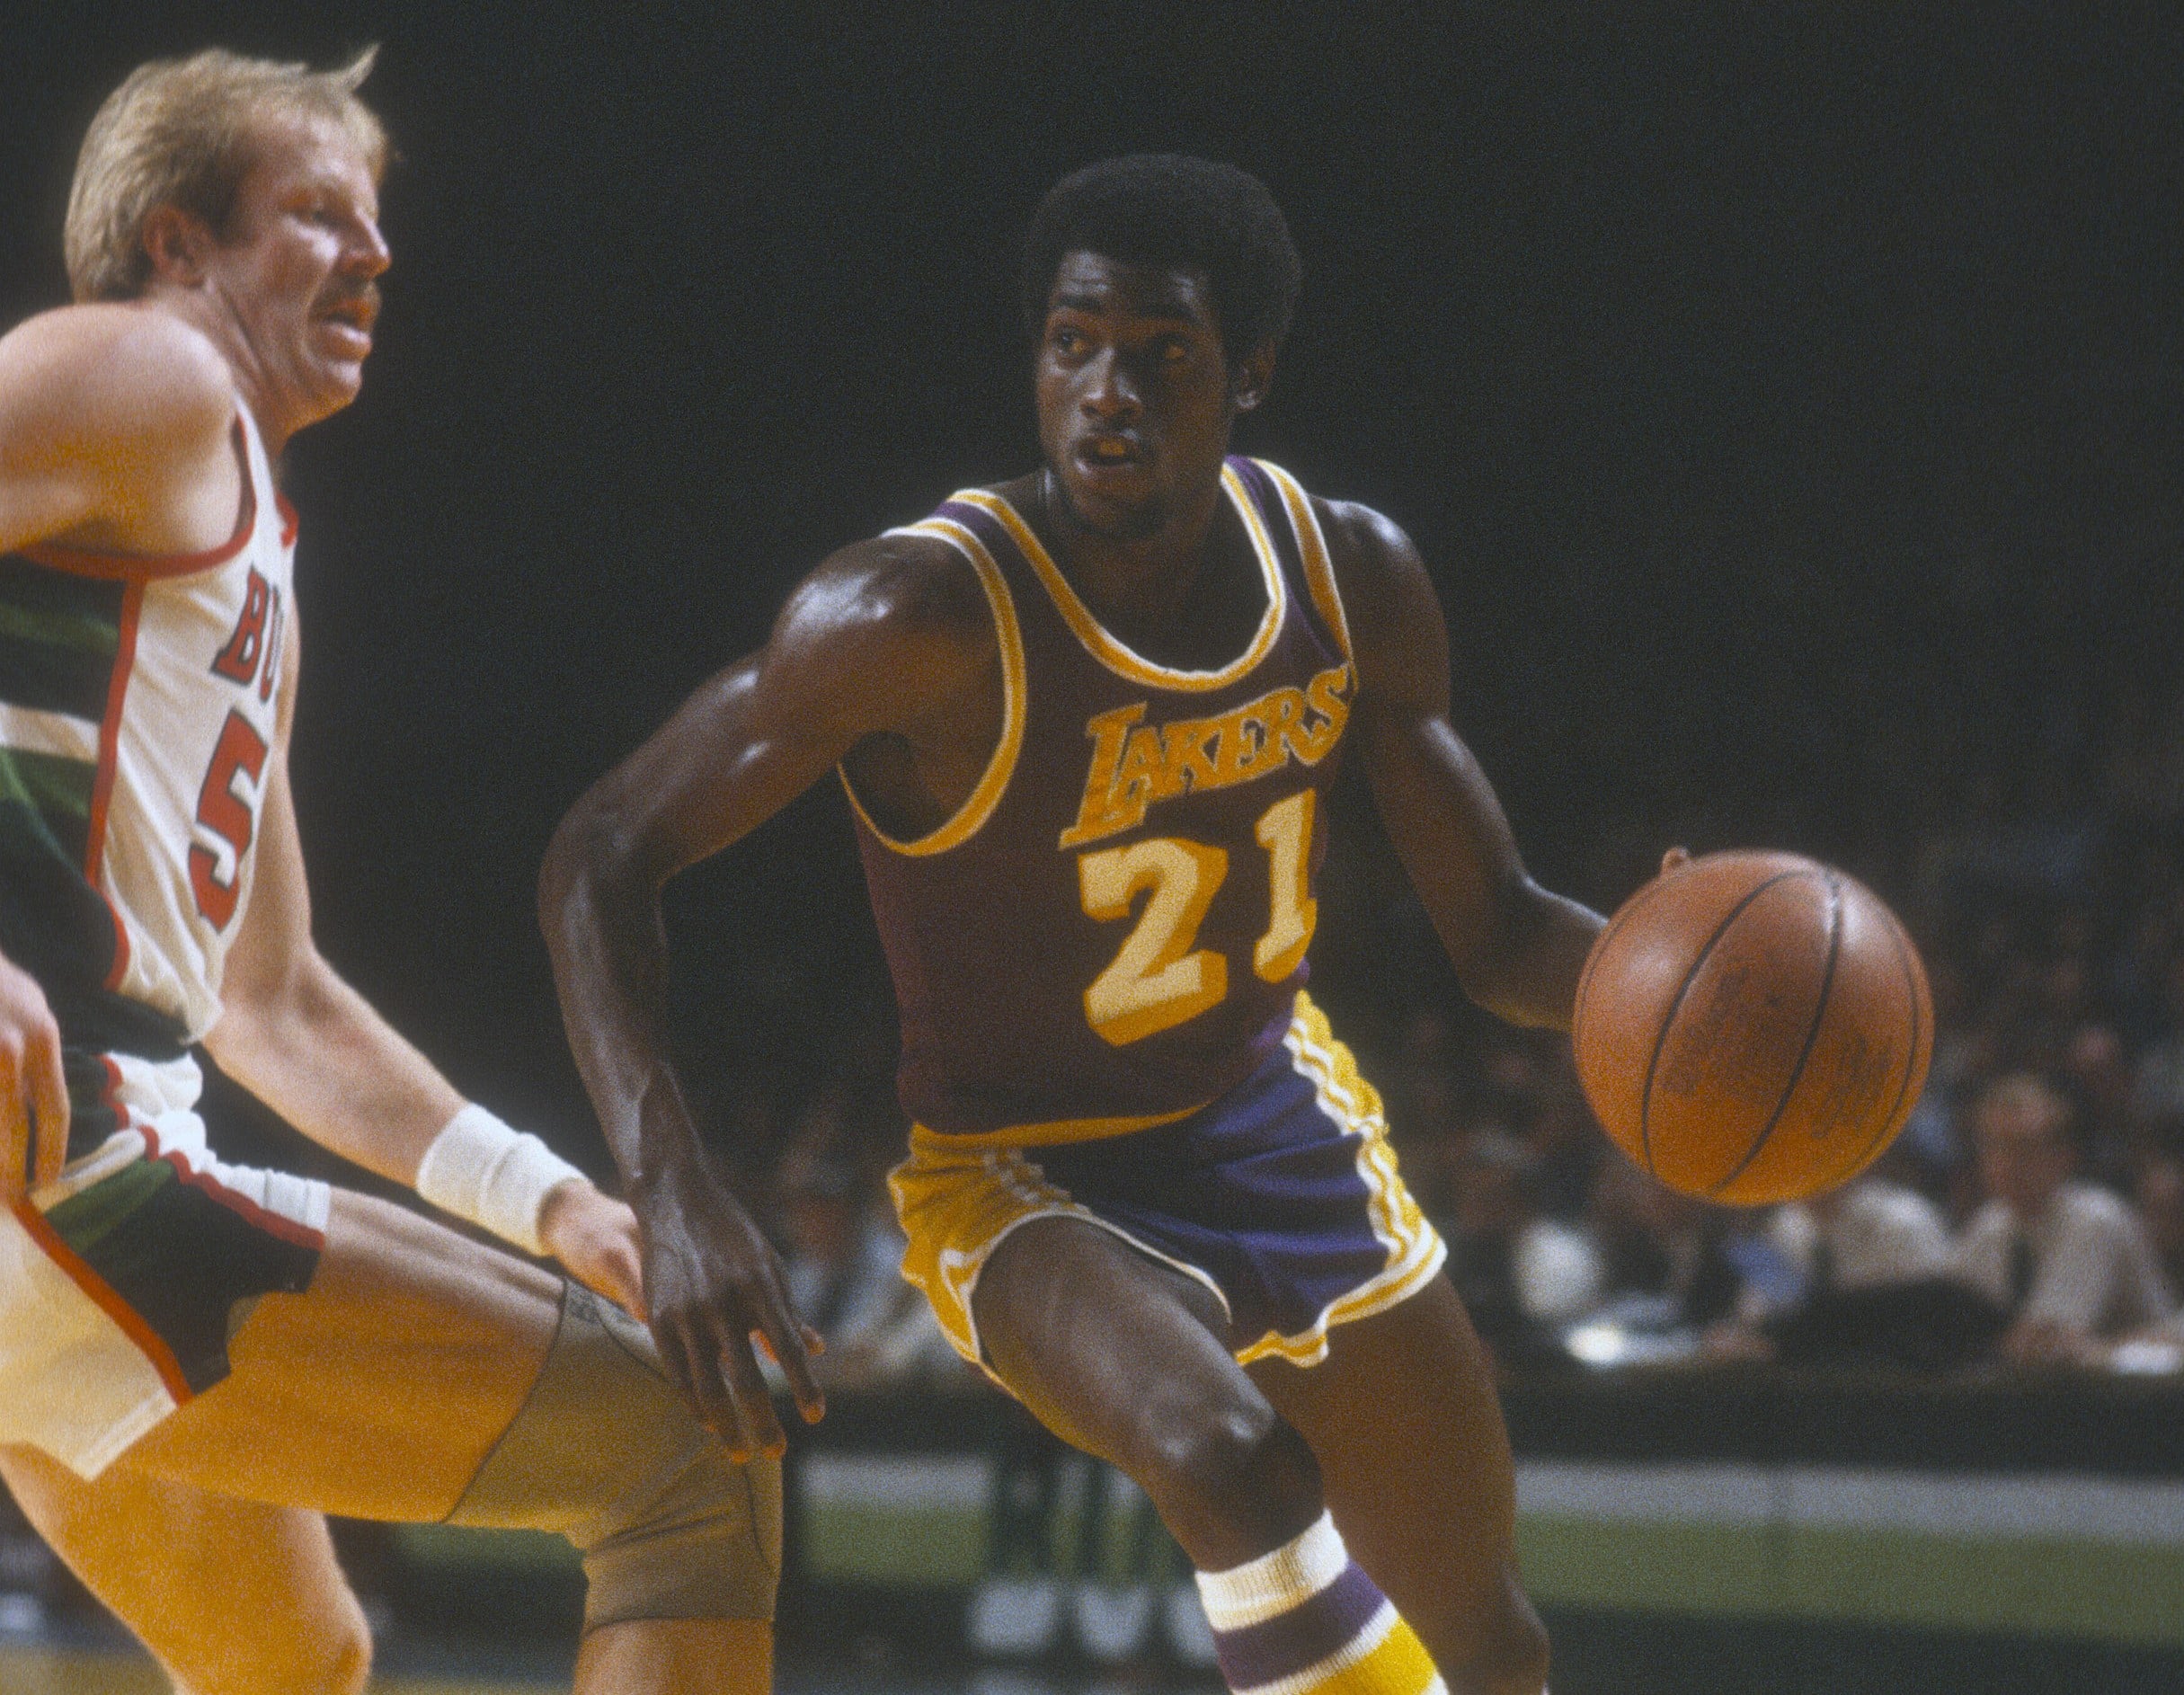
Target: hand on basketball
[
  {"x": 715, "y": 1297},
  {"x": 34, "y": 1095},
  {"x": 594, "y": 1236}
]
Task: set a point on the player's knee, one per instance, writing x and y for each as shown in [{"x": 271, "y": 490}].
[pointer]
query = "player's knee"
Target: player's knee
[
  {"x": 351, "y": 1667},
  {"x": 705, "y": 1544},
  {"x": 1242, "y": 1467},
  {"x": 334, "y": 1657},
  {"x": 605, "y": 1452}
]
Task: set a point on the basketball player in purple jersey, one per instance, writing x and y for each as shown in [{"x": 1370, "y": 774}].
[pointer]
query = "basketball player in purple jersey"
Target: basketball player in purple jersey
[{"x": 1086, "y": 722}]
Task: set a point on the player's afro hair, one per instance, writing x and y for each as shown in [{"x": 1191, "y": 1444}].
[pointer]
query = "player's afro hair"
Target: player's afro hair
[{"x": 1170, "y": 208}]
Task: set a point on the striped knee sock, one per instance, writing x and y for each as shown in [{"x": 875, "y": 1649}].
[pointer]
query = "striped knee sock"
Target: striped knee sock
[{"x": 1305, "y": 1619}]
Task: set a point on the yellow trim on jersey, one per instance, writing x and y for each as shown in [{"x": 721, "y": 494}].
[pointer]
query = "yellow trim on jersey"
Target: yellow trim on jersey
[
  {"x": 1313, "y": 547},
  {"x": 1051, "y": 1133},
  {"x": 957, "y": 1206},
  {"x": 1105, "y": 648},
  {"x": 958, "y": 1197},
  {"x": 975, "y": 810},
  {"x": 1415, "y": 1248}
]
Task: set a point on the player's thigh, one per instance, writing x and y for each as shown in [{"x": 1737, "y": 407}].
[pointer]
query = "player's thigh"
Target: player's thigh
[
  {"x": 378, "y": 1392},
  {"x": 1106, "y": 1346},
  {"x": 1414, "y": 1460},
  {"x": 227, "y": 1594}
]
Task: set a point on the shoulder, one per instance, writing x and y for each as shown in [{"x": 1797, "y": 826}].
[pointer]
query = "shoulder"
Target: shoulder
[
  {"x": 909, "y": 608},
  {"x": 119, "y": 373},
  {"x": 1365, "y": 547},
  {"x": 1888, "y": 1206},
  {"x": 1397, "y": 634},
  {"x": 2088, "y": 1207}
]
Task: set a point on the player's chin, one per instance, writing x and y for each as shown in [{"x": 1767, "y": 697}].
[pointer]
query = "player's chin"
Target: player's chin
[
  {"x": 1117, "y": 513},
  {"x": 333, "y": 385}
]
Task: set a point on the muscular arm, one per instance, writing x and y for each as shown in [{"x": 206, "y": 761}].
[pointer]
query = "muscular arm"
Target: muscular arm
[
  {"x": 113, "y": 431},
  {"x": 889, "y": 638},
  {"x": 1517, "y": 948},
  {"x": 114, "y": 424},
  {"x": 299, "y": 1037}
]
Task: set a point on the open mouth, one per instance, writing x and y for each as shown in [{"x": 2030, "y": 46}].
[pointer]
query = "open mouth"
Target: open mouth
[
  {"x": 1111, "y": 453},
  {"x": 353, "y": 314}
]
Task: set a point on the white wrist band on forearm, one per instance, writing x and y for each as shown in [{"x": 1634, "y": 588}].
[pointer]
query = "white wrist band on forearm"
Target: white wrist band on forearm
[{"x": 492, "y": 1174}]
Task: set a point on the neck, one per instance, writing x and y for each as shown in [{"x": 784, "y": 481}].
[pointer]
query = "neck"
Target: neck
[
  {"x": 203, "y": 311},
  {"x": 1140, "y": 577}
]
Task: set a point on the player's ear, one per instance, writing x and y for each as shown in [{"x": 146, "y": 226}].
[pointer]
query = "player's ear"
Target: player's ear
[
  {"x": 178, "y": 244},
  {"x": 1249, "y": 382}
]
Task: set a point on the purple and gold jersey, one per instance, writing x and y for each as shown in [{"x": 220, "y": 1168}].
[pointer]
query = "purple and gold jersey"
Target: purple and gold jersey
[{"x": 1112, "y": 931}]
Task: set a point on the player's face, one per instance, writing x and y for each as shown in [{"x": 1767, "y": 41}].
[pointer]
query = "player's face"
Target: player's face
[
  {"x": 2023, "y": 1157},
  {"x": 1135, "y": 392},
  {"x": 296, "y": 268}
]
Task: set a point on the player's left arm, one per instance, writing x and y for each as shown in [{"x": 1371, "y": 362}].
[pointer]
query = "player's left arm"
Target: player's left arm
[
  {"x": 1517, "y": 948},
  {"x": 295, "y": 1035}
]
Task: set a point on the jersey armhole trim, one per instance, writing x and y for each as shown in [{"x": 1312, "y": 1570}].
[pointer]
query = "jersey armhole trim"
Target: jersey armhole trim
[
  {"x": 1312, "y": 548},
  {"x": 1009, "y": 638},
  {"x": 93, "y": 562}
]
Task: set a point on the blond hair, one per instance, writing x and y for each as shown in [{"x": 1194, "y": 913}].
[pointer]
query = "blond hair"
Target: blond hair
[{"x": 179, "y": 132}]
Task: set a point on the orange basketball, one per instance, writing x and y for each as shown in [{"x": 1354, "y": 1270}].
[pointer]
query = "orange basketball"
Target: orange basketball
[{"x": 1753, "y": 1027}]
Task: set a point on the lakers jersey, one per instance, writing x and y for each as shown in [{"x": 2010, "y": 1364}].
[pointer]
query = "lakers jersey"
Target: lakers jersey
[
  {"x": 1111, "y": 930},
  {"x": 138, "y": 697}
]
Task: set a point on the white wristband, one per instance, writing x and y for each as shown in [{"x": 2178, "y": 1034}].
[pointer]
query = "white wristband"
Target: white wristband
[{"x": 492, "y": 1174}]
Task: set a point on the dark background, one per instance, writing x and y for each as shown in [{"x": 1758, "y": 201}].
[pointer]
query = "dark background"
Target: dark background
[{"x": 1789, "y": 398}]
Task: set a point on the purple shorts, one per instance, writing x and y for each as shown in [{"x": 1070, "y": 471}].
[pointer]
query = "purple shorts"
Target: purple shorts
[{"x": 1282, "y": 1197}]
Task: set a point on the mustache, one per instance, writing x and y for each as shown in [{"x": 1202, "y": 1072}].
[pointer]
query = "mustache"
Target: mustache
[{"x": 365, "y": 294}]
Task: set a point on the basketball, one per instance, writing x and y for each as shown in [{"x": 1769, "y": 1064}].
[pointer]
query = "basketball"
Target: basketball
[{"x": 1753, "y": 1027}]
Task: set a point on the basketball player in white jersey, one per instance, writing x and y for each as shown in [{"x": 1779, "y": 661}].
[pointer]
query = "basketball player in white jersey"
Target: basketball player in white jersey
[{"x": 197, "y": 1361}]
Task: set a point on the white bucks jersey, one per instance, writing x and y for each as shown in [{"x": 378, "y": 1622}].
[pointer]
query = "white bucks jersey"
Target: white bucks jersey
[{"x": 138, "y": 706}]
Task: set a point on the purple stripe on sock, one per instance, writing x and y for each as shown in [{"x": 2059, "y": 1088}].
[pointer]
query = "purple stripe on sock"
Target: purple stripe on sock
[{"x": 1285, "y": 1644}]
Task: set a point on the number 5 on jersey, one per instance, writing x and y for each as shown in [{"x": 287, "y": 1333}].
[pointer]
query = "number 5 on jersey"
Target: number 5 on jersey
[
  {"x": 1159, "y": 980},
  {"x": 240, "y": 751}
]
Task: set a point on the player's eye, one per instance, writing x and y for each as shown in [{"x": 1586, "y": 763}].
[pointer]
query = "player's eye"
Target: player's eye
[{"x": 1066, "y": 342}]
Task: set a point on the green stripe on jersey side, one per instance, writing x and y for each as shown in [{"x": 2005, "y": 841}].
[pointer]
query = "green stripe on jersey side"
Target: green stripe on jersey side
[
  {"x": 40, "y": 589},
  {"x": 88, "y": 1217},
  {"x": 88, "y": 632},
  {"x": 55, "y": 787},
  {"x": 60, "y": 636}
]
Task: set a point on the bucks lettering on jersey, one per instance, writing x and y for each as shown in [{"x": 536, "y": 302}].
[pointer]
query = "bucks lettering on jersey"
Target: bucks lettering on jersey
[
  {"x": 1111, "y": 930},
  {"x": 137, "y": 703}
]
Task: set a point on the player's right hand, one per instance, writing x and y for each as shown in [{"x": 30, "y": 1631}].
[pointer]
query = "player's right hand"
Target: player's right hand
[
  {"x": 714, "y": 1292},
  {"x": 34, "y": 1094}
]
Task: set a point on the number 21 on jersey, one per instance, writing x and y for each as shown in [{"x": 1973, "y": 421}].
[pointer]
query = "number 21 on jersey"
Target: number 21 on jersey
[{"x": 1159, "y": 980}]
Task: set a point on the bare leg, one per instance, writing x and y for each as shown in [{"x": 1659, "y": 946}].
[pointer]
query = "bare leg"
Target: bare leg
[
  {"x": 733, "y": 1656},
  {"x": 232, "y": 1597},
  {"x": 1403, "y": 1419},
  {"x": 377, "y": 1395},
  {"x": 1128, "y": 1359}
]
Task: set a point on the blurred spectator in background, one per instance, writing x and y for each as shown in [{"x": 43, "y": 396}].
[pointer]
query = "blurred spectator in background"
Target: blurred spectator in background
[
  {"x": 1873, "y": 1268},
  {"x": 2066, "y": 1261},
  {"x": 1523, "y": 1277},
  {"x": 2159, "y": 1194},
  {"x": 842, "y": 1254},
  {"x": 1663, "y": 1254},
  {"x": 1873, "y": 1232}
]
